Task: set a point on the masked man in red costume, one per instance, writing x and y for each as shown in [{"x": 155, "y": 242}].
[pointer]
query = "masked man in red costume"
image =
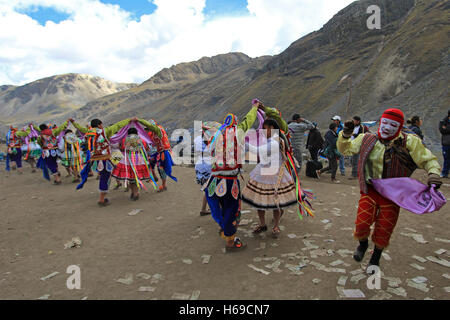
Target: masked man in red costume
[{"x": 388, "y": 154}]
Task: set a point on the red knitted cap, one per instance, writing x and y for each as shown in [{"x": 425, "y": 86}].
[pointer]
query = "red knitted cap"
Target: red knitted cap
[{"x": 394, "y": 114}]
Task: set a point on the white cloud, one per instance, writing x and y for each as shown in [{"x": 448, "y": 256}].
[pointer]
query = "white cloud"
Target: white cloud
[{"x": 104, "y": 40}]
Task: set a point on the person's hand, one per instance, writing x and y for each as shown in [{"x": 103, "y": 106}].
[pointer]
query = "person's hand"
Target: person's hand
[
  {"x": 349, "y": 126},
  {"x": 71, "y": 120},
  {"x": 434, "y": 179},
  {"x": 134, "y": 119}
]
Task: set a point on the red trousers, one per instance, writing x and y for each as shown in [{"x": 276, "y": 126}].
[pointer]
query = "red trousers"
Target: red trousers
[{"x": 374, "y": 208}]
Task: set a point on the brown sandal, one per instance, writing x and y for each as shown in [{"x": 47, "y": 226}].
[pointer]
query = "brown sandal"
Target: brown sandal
[
  {"x": 259, "y": 229},
  {"x": 276, "y": 232}
]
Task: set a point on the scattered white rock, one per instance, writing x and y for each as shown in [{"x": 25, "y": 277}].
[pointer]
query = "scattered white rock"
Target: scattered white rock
[
  {"x": 416, "y": 236},
  {"x": 135, "y": 212},
  {"x": 357, "y": 278},
  {"x": 353, "y": 293},
  {"x": 51, "y": 275},
  {"x": 316, "y": 281},
  {"x": 127, "y": 280},
  {"x": 146, "y": 289},
  {"x": 181, "y": 296},
  {"x": 74, "y": 243},
  {"x": 206, "y": 258},
  {"x": 44, "y": 297},
  {"x": 420, "y": 280},
  {"x": 258, "y": 269},
  {"x": 342, "y": 281},
  {"x": 440, "y": 251},
  {"x": 442, "y": 240},
  {"x": 187, "y": 261},
  {"x": 421, "y": 286},
  {"x": 397, "y": 291},
  {"x": 416, "y": 266},
  {"x": 420, "y": 259},
  {"x": 442, "y": 262},
  {"x": 195, "y": 295},
  {"x": 144, "y": 276}
]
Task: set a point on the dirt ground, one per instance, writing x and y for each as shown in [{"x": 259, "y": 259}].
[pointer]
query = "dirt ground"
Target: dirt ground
[{"x": 160, "y": 249}]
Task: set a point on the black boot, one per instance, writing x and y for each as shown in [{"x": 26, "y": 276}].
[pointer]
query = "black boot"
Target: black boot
[
  {"x": 361, "y": 250},
  {"x": 376, "y": 256}
]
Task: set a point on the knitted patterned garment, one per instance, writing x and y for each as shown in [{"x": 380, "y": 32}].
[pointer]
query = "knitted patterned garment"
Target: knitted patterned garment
[{"x": 397, "y": 161}]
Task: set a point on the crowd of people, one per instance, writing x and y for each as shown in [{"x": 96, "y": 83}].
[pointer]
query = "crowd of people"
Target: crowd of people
[{"x": 130, "y": 151}]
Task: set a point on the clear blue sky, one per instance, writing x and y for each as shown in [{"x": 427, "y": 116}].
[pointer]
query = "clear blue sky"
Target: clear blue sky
[{"x": 140, "y": 7}]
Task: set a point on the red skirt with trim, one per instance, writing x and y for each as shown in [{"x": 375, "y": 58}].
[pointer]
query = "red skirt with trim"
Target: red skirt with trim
[{"x": 125, "y": 172}]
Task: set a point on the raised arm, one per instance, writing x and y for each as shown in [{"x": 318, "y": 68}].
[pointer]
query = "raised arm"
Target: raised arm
[
  {"x": 61, "y": 128},
  {"x": 22, "y": 133},
  {"x": 274, "y": 114},
  {"x": 112, "y": 130},
  {"x": 80, "y": 127},
  {"x": 151, "y": 127}
]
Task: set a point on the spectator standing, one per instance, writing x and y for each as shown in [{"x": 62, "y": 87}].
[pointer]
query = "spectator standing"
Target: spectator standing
[
  {"x": 331, "y": 153},
  {"x": 416, "y": 123},
  {"x": 359, "y": 129},
  {"x": 314, "y": 142},
  {"x": 340, "y": 127},
  {"x": 298, "y": 127}
]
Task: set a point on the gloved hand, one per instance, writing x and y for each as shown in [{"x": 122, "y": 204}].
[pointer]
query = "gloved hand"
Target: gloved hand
[
  {"x": 434, "y": 179},
  {"x": 349, "y": 126}
]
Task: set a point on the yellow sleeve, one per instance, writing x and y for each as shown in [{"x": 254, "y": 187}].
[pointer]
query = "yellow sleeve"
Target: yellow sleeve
[
  {"x": 349, "y": 147},
  {"x": 60, "y": 129},
  {"x": 23, "y": 133},
  {"x": 246, "y": 124},
  {"x": 112, "y": 130},
  {"x": 272, "y": 113},
  {"x": 423, "y": 157},
  {"x": 80, "y": 128},
  {"x": 151, "y": 127}
]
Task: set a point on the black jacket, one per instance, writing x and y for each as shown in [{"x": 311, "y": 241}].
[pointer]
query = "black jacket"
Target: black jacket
[
  {"x": 315, "y": 140},
  {"x": 445, "y": 132},
  {"x": 416, "y": 130}
]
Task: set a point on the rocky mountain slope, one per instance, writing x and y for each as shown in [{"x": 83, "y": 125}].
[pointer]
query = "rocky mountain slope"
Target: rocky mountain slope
[{"x": 48, "y": 98}]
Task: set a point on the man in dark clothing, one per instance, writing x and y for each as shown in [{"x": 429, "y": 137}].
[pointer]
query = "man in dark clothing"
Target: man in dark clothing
[
  {"x": 331, "y": 153},
  {"x": 314, "y": 142},
  {"x": 444, "y": 128},
  {"x": 359, "y": 129}
]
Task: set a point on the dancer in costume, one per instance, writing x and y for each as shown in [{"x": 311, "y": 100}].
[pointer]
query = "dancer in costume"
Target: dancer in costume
[
  {"x": 164, "y": 157},
  {"x": 223, "y": 189},
  {"x": 203, "y": 164},
  {"x": 389, "y": 154},
  {"x": 14, "y": 151},
  {"x": 71, "y": 154},
  {"x": 134, "y": 166},
  {"x": 98, "y": 155},
  {"x": 270, "y": 186},
  {"x": 48, "y": 140}
]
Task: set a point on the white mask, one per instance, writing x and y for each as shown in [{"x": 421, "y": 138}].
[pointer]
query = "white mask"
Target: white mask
[{"x": 388, "y": 128}]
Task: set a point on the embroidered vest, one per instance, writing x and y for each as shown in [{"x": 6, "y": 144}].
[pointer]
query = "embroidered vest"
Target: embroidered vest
[
  {"x": 98, "y": 144},
  {"x": 49, "y": 142},
  {"x": 226, "y": 157},
  {"x": 397, "y": 161},
  {"x": 14, "y": 141},
  {"x": 162, "y": 144}
]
